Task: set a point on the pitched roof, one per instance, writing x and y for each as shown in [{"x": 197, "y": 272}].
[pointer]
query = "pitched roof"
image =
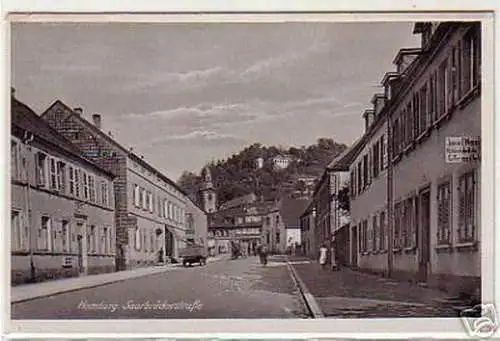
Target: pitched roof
[
  {"x": 291, "y": 210},
  {"x": 25, "y": 118},
  {"x": 132, "y": 155}
]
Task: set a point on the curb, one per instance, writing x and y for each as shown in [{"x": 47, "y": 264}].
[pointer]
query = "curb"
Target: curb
[
  {"x": 308, "y": 298},
  {"x": 95, "y": 285},
  {"x": 89, "y": 286}
]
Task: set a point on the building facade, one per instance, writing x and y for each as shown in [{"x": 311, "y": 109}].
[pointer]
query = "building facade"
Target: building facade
[
  {"x": 368, "y": 194},
  {"x": 307, "y": 232},
  {"x": 150, "y": 208},
  {"x": 415, "y": 206},
  {"x": 434, "y": 198},
  {"x": 62, "y": 205}
]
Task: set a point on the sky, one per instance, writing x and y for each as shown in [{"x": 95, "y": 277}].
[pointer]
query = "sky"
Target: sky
[{"x": 184, "y": 94}]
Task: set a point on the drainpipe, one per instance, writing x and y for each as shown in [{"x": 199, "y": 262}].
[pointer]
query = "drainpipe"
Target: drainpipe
[{"x": 390, "y": 213}]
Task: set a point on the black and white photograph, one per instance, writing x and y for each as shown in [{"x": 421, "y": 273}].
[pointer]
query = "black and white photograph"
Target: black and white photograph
[{"x": 246, "y": 170}]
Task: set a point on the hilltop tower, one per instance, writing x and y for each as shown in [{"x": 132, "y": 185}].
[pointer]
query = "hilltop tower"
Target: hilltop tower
[{"x": 207, "y": 192}]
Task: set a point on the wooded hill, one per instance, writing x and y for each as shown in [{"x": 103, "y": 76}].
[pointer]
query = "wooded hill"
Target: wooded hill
[{"x": 238, "y": 175}]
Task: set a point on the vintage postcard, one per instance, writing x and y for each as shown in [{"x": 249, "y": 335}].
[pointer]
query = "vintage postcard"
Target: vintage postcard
[{"x": 204, "y": 172}]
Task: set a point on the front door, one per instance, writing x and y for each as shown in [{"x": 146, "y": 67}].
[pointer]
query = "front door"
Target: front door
[
  {"x": 80, "y": 253},
  {"x": 424, "y": 234},
  {"x": 169, "y": 243},
  {"x": 354, "y": 247}
]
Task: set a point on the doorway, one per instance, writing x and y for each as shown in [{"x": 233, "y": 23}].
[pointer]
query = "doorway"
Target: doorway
[
  {"x": 354, "y": 247},
  {"x": 169, "y": 243},
  {"x": 424, "y": 210}
]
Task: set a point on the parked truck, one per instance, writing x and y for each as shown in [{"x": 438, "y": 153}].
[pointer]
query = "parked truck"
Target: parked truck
[{"x": 193, "y": 254}]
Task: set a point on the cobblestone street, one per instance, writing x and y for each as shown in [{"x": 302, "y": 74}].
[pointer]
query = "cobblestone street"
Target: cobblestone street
[{"x": 351, "y": 294}]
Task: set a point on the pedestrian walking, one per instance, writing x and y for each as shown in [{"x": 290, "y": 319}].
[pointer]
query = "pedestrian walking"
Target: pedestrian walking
[
  {"x": 323, "y": 256},
  {"x": 262, "y": 251}
]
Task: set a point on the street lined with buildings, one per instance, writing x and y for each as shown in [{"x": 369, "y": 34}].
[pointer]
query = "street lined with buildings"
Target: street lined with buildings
[{"x": 398, "y": 212}]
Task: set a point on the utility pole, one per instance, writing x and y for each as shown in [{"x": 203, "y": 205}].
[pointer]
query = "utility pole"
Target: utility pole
[{"x": 27, "y": 139}]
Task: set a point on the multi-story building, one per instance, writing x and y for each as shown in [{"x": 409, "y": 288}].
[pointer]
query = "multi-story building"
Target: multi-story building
[
  {"x": 415, "y": 207},
  {"x": 307, "y": 231},
  {"x": 239, "y": 225},
  {"x": 434, "y": 197},
  {"x": 150, "y": 208},
  {"x": 281, "y": 226},
  {"x": 339, "y": 206},
  {"x": 368, "y": 193},
  {"x": 62, "y": 204}
]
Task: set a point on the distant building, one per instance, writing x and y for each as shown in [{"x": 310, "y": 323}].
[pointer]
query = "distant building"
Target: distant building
[
  {"x": 62, "y": 205},
  {"x": 281, "y": 227},
  {"x": 150, "y": 208},
  {"x": 241, "y": 225},
  {"x": 282, "y": 161},
  {"x": 207, "y": 194}
]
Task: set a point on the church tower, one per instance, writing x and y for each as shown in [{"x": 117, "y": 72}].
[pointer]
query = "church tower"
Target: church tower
[{"x": 207, "y": 192}]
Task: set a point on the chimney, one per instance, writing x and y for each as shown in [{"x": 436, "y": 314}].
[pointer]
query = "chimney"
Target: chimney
[
  {"x": 97, "y": 120},
  {"x": 78, "y": 111}
]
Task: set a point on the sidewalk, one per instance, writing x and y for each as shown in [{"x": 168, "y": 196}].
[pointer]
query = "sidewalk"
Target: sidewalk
[
  {"x": 27, "y": 292},
  {"x": 351, "y": 294}
]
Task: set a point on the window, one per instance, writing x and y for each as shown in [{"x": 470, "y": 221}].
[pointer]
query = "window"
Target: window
[
  {"x": 444, "y": 213},
  {"x": 52, "y": 173},
  {"x": 383, "y": 148},
  {"x": 137, "y": 196},
  {"x": 92, "y": 188},
  {"x": 65, "y": 233},
  {"x": 422, "y": 124},
  {"x": 277, "y": 219},
  {"x": 443, "y": 88},
  {"x": 92, "y": 246},
  {"x": 71, "y": 181},
  {"x": 432, "y": 111},
  {"x": 44, "y": 234},
  {"x": 467, "y": 198},
  {"x": 160, "y": 210},
  {"x": 41, "y": 169},
  {"x": 454, "y": 76},
  {"x": 375, "y": 233},
  {"x": 396, "y": 137},
  {"x": 352, "y": 184},
  {"x": 170, "y": 210},
  {"x": 376, "y": 159},
  {"x": 359, "y": 178},
  {"x": 364, "y": 225},
  {"x": 470, "y": 60},
  {"x": 61, "y": 176},
  {"x": 151, "y": 243},
  {"x": 17, "y": 236},
  {"x": 104, "y": 193},
  {"x": 85, "y": 186},
  {"x": 268, "y": 221},
  {"x": 408, "y": 221},
  {"x": 144, "y": 199},
  {"x": 14, "y": 160},
  {"x": 104, "y": 241},
  {"x": 137, "y": 238},
  {"x": 397, "y": 226},
  {"x": 365, "y": 171},
  {"x": 77, "y": 182},
  {"x": 151, "y": 203},
  {"x": 145, "y": 241},
  {"x": 382, "y": 229},
  {"x": 278, "y": 237}
]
